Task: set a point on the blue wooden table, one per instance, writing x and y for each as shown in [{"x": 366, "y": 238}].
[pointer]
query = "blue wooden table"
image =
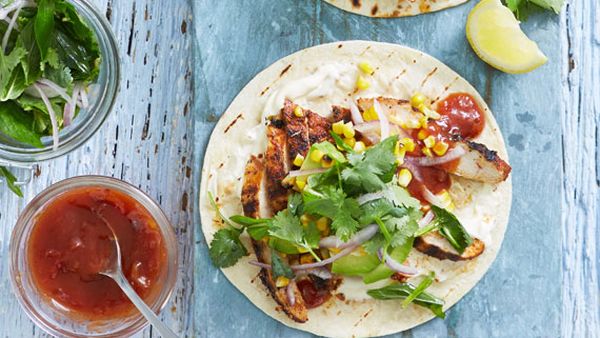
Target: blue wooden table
[{"x": 184, "y": 61}]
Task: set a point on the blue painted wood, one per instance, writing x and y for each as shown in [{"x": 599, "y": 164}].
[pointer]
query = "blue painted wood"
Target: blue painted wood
[{"x": 522, "y": 294}]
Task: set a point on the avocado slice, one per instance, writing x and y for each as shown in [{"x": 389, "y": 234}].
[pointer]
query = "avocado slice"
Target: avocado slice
[{"x": 353, "y": 265}]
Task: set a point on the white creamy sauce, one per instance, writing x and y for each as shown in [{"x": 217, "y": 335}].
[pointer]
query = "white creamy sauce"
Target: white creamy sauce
[{"x": 330, "y": 84}]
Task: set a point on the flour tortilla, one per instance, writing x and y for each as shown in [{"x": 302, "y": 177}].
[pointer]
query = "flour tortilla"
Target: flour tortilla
[
  {"x": 400, "y": 71},
  {"x": 393, "y": 8}
]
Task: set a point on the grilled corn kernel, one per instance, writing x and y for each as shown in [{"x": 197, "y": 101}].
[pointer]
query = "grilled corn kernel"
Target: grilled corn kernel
[
  {"x": 370, "y": 114},
  {"x": 305, "y": 219},
  {"x": 298, "y": 111},
  {"x": 316, "y": 155},
  {"x": 306, "y": 259},
  {"x": 429, "y": 141},
  {"x": 408, "y": 144},
  {"x": 404, "y": 177},
  {"x": 360, "y": 147},
  {"x": 423, "y": 121},
  {"x": 417, "y": 100},
  {"x": 350, "y": 141},
  {"x": 349, "y": 130},
  {"x": 422, "y": 134},
  {"x": 366, "y": 68},
  {"x": 400, "y": 156},
  {"x": 300, "y": 185},
  {"x": 338, "y": 127},
  {"x": 440, "y": 148},
  {"x": 427, "y": 152},
  {"x": 322, "y": 224},
  {"x": 432, "y": 114},
  {"x": 362, "y": 83},
  {"x": 282, "y": 281},
  {"x": 326, "y": 162},
  {"x": 334, "y": 250},
  {"x": 411, "y": 124},
  {"x": 298, "y": 160}
]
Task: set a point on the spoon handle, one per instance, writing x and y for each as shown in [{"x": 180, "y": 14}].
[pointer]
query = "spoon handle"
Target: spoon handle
[{"x": 163, "y": 330}]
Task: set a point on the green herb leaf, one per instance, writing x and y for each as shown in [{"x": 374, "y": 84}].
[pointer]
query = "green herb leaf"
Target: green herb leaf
[
  {"x": 279, "y": 267},
  {"x": 340, "y": 143},
  {"x": 403, "y": 291},
  {"x": 451, "y": 229},
  {"x": 226, "y": 248},
  {"x": 370, "y": 171},
  {"x": 334, "y": 204},
  {"x": 425, "y": 283},
  {"x": 8, "y": 63},
  {"x": 287, "y": 227},
  {"x": 10, "y": 181},
  {"x": 296, "y": 204},
  {"x": 17, "y": 124},
  {"x": 44, "y": 25},
  {"x": 248, "y": 221}
]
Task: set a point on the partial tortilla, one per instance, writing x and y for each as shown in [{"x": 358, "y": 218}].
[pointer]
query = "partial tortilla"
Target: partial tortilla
[
  {"x": 318, "y": 78},
  {"x": 393, "y": 8}
]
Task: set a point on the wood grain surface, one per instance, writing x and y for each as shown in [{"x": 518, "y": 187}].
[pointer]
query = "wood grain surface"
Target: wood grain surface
[{"x": 179, "y": 75}]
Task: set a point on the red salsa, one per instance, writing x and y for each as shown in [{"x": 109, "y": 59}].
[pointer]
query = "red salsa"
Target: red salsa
[
  {"x": 461, "y": 117},
  {"x": 312, "y": 296},
  {"x": 70, "y": 244}
]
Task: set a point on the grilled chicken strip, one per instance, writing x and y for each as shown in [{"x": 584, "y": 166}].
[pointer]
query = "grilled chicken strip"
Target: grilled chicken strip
[
  {"x": 341, "y": 114},
  {"x": 253, "y": 176},
  {"x": 401, "y": 109},
  {"x": 479, "y": 164},
  {"x": 434, "y": 245},
  {"x": 318, "y": 128},
  {"x": 297, "y": 131},
  {"x": 276, "y": 165}
]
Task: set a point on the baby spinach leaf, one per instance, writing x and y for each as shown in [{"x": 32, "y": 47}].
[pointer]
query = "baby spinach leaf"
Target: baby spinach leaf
[
  {"x": 10, "y": 181},
  {"x": 17, "y": 124},
  {"x": 44, "y": 25},
  {"x": 403, "y": 291}
]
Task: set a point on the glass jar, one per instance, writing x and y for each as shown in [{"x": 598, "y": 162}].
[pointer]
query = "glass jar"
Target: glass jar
[
  {"x": 53, "y": 318},
  {"x": 102, "y": 96}
]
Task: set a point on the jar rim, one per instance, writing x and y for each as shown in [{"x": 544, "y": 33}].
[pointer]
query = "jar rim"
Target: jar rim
[
  {"x": 26, "y": 222},
  {"x": 76, "y": 135}
]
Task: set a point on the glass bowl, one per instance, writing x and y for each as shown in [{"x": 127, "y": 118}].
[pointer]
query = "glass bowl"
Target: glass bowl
[
  {"x": 102, "y": 96},
  {"x": 52, "y": 318}
]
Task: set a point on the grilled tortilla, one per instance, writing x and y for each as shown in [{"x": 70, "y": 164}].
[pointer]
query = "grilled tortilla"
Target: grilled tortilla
[
  {"x": 393, "y": 8},
  {"x": 322, "y": 81}
]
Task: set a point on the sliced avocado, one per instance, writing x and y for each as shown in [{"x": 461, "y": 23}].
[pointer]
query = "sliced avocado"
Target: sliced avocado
[
  {"x": 382, "y": 271},
  {"x": 352, "y": 265}
]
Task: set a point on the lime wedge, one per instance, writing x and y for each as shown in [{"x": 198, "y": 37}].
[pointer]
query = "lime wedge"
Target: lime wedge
[{"x": 495, "y": 35}]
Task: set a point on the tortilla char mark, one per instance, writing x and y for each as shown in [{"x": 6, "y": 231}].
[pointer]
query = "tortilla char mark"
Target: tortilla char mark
[
  {"x": 318, "y": 128},
  {"x": 434, "y": 245},
  {"x": 276, "y": 165},
  {"x": 297, "y": 131},
  {"x": 253, "y": 176}
]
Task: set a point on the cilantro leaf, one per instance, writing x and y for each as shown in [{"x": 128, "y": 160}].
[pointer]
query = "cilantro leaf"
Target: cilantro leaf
[
  {"x": 451, "y": 229},
  {"x": 340, "y": 143},
  {"x": 403, "y": 291},
  {"x": 370, "y": 171},
  {"x": 287, "y": 226},
  {"x": 226, "y": 248},
  {"x": 279, "y": 267},
  {"x": 10, "y": 181},
  {"x": 334, "y": 204},
  {"x": 296, "y": 204}
]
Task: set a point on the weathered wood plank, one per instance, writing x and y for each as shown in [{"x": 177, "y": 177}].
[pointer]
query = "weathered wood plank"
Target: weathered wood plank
[
  {"x": 580, "y": 194},
  {"x": 147, "y": 141}
]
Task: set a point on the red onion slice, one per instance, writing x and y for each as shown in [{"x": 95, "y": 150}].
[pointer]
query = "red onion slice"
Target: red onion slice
[
  {"x": 53, "y": 121},
  {"x": 397, "y": 266},
  {"x": 368, "y": 127},
  {"x": 290, "y": 292},
  {"x": 356, "y": 116},
  {"x": 451, "y": 155},
  {"x": 324, "y": 262},
  {"x": 362, "y": 199},
  {"x": 296, "y": 173},
  {"x": 11, "y": 26},
  {"x": 384, "y": 123},
  {"x": 426, "y": 219},
  {"x": 322, "y": 273},
  {"x": 360, "y": 237},
  {"x": 432, "y": 198},
  {"x": 60, "y": 91}
]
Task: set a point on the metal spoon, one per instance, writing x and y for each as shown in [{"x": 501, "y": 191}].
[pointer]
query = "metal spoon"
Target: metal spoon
[{"x": 115, "y": 271}]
